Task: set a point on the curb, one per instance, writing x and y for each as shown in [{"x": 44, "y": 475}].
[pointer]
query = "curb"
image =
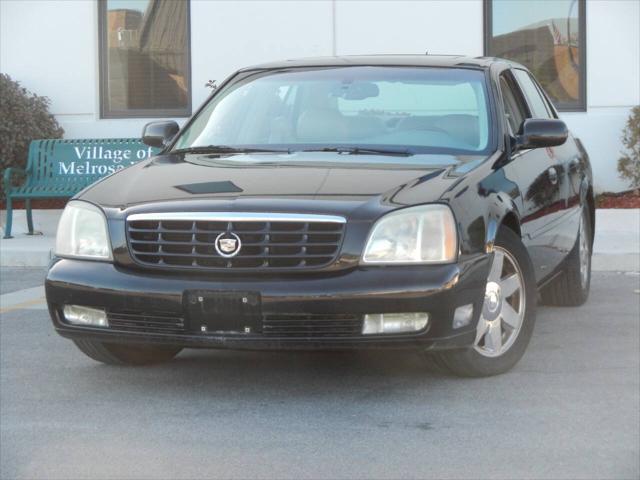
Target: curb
[{"x": 32, "y": 257}]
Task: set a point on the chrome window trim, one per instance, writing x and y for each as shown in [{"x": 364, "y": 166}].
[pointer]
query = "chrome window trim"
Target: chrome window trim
[{"x": 234, "y": 217}]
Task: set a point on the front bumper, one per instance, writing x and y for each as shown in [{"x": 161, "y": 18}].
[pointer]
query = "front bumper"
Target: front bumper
[{"x": 437, "y": 290}]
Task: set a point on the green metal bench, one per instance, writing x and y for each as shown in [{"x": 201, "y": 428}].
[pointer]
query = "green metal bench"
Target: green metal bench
[{"x": 61, "y": 168}]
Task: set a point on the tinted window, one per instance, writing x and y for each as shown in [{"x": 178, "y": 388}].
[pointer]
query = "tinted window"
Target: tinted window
[
  {"x": 415, "y": 108},
  {"x": 534, "y": 98},
  {"x": 548, "y": 37},
  {"x": 513, "y": 109},
  {"x": 144, "y": 58}
]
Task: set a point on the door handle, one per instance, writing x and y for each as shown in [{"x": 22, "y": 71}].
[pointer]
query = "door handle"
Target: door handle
[{"x": 552, "y": 173}]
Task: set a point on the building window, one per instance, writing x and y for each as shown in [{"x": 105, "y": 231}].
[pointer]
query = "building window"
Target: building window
[
  {"x": 548, "y": 37},
  {"x": 145, "y": 66}
]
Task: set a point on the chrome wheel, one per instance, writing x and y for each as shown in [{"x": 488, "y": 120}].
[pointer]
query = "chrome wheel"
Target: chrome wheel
[
  {"x": 584, "y": 254},
  {"x": 504, "y": 306}
]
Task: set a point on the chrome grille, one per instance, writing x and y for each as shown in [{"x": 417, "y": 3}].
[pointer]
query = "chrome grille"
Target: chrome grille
[{"x": 273, "y": 241}]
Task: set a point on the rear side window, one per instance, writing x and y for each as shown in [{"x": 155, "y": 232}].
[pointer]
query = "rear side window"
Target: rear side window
[
  {"x": 535, "y": 100},
  {"x": 513, "y": 108}
]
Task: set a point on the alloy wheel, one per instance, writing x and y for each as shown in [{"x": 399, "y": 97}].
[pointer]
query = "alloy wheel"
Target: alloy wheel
[{"x": 504, "y": 306}]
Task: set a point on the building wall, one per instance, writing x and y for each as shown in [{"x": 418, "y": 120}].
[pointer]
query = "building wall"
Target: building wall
[{"x": 52, "y": 48}]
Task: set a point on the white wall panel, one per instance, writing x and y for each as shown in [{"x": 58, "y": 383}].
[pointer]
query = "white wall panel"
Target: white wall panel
[
  {"x": 600, "y": 132},
  {"x": 613, "y": 53},
  {"x": 51, "y": 48},
  {"x": 436, "y": 26},
  {"x": 227, "y": 35}
]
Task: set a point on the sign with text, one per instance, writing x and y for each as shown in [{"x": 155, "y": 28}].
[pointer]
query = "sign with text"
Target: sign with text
[{"x": 98, "y": 158}]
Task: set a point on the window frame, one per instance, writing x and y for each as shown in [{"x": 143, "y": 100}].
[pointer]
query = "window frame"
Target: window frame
[
  {"x": 107, "y": 113},
  {"x": 550, "y": 106},
  {"x": 518, "y": 97},
  {"x": 581, "y": 105},
  {"x": 537, "y": 90}
]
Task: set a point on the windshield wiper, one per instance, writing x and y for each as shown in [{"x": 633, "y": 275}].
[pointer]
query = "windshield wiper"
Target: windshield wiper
[
  {"x": 225, "y": 149},
  {"x": 362, "y": 151}
]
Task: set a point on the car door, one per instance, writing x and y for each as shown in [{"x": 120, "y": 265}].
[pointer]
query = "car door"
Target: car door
[
  {"x": 566, "y": 162},
  {"x": 571, "y": 157},
  {"x": 540, "y": 178}
]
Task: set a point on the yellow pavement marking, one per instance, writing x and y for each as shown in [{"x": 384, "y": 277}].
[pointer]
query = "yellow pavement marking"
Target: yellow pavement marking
[
  {"x": 18, "y": 306},
  {"x": 28, "y": 298}
]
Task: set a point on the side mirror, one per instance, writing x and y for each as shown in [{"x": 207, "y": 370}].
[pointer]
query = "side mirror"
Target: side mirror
[
  {"x": 159, "y": 134},
  {"x": 541, "y": 132}
]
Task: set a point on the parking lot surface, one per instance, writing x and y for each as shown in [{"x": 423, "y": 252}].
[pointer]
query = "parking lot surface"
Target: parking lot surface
[{"x": 570, "y": 408}]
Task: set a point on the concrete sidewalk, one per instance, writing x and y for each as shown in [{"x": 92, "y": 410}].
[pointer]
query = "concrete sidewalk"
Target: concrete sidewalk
[
  {"x": 617, "y": 242},
  {"x": 29, "y": 250},
  {"x": 616, "y": 248}
]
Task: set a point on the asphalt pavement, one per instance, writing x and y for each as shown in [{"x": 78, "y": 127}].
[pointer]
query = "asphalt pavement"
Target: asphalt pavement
[{"x": 570, "y": 408}]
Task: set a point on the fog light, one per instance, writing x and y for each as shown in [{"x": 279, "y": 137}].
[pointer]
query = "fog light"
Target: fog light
[
  {"x": 394, "y": 322},
  {"x": 462, "y": 315},
  {"x": 92, "y": 317}
]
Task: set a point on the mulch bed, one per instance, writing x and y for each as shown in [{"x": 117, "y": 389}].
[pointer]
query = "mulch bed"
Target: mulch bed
[
  {"x": 630, "y": 199},
  {"x": 48, "y": 204}
]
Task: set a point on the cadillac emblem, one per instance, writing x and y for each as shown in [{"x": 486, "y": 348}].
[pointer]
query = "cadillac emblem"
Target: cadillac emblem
[{"x": 228, "y": 244}]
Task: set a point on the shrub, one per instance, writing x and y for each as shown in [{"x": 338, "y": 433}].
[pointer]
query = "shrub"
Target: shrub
[
  {"x": 629, "y": 163},
  {"x": 24, "y": 117}
]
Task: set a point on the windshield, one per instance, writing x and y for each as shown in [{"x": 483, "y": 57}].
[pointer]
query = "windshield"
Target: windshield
[{"x": 416, "y": 110}]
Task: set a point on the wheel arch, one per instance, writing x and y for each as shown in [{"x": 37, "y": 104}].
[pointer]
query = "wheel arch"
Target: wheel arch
[
  {"x": 508, "y": 217},
  {"x": 511, "y": 221}
]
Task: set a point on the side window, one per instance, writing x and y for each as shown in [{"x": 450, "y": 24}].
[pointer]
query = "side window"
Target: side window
[
  {"x": 547, "y": 101},
  {"x": 536, "y": 102},
  {"x": 514, "y": 110}
]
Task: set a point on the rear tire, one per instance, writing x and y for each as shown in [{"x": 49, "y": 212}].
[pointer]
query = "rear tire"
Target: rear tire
[
  {"x": 121, "y": 354},
  {"x": 571, "y": 288},
  {"x": 506, "y": 323}
]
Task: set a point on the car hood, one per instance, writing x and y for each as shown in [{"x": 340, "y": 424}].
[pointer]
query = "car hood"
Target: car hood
[{"x": 279, "y": 178}]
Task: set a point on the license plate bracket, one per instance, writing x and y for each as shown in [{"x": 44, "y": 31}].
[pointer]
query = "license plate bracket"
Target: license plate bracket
[{"x": 211, "y": 311}]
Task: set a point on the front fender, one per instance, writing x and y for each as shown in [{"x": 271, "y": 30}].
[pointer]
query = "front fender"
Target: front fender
[
  {"x": 502, "y": 211},
  {"x": 484, "y": 201}
]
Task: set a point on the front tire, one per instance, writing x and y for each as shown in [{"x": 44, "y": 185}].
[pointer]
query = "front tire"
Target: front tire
[
  {"x": 508, "y": 314},
  {"x": 571, "y": 288},
  {"x": 121, "y": 354}
]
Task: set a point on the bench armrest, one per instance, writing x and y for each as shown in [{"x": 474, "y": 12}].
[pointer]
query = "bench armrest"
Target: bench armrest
[{"x": 8, "y": 173}]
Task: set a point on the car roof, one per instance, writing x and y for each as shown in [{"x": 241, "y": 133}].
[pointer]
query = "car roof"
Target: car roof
[{"x": 459, "y": 61}]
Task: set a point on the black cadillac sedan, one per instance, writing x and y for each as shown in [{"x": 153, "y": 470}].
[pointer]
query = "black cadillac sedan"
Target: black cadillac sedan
[{"x": 417, "y": 202}]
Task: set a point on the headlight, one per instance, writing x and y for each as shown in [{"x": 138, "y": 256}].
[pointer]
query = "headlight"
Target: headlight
[
  {"x": 423, "y": 234},
  {"x": 82, "y": 232}
]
